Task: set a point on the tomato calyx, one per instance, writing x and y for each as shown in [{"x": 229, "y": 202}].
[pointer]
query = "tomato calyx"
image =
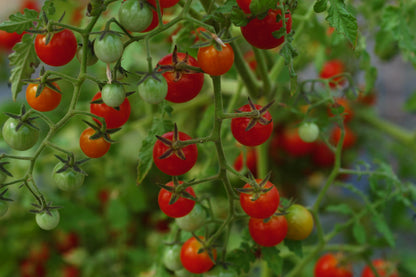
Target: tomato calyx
[
  {"x": 23, "y": 118},
  {"x": 102, "y": 131},
  {"x": 175, "y": 145},
  {"x": 3, "y": 198},
  {"x": 258, "y": 115},
  {"x": 42, "y": 83},
  {"x": 178, "y": 190},
  {"x": 256, "y": 189},
  {"x": 44, "y": 208},
  {"x": 205, "y": 247},
  {"x": 4, "y": 171},
  {"x": 69, "y": 163}
]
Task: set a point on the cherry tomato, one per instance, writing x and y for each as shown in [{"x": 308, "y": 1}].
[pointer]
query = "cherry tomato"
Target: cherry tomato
[
  {"x": 113, "y": 118},
  {"x": 268, "y": 232},
  {"x": 383, "y": 268},
  {"x": 113, "y": 95},
  {"x": 30, "y": 4},
  {"x": 28, "y": 268},
  {"x": 182, "y": 205},
  {"x": 68, "y": 179},
  {"x": 60, "y": 50},
  {"x": 330, "y": 265},
  {"x": 182, "y": 86},
  {"x": 70, "y": 271},
  {"x": 293, "y": 144},
  {"x": 250, "y": 161},
  {"x": 322, "y": 155},
  {"x": 349, "y": 137},
  {"x": 244, "y": 5},
  {"x": 265, "y": 205},
  {"x": 93, "y": 148},
  {"x": 91, "y": 57},
  {"x": 164, "y": 3},
  {"x": 153, "y": 91},
  {"x": 308, "y": 131},
  {"x": 109, "y": 48},
  {"x": 46, "y": 101},
  {"x": 256, "y": 135},
  {"x": 172, "y": 257},
  {"x": 193, "y": 220},
  {"x": 48, "y": 221},
  {"x": 300, "y": 222},
  {"x": 216, "y": 62},
  {"x": 9, "y": 40},
  {"x": 332, "y": 68},
  {"x": 259, "y": 32},
  {"x": 155, "y": 20},
  {"x": 193, "y": 261},
  {"x": 173, "y": 165},
  {"x": 3, "y": 208},
  {"x": 347, "y": 114},
  {"x": 19, "y": 139},
  {"x": 135, "y": 15}
]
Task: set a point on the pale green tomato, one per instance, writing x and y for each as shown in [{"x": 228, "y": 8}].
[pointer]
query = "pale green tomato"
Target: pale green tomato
[
  {"x": 46, "y": 221},
  {"x": 19, "y": 139},
  {"x": 308, "y": 131},
  {"x": 135, "y": 15},
  {"x": 172, "y": 258},
  {"x": 192, "y": 221},
  {"x": 113, "y": 95},
  {"x": 153, "y": 91},
  {"x": 109, "y": 48}
]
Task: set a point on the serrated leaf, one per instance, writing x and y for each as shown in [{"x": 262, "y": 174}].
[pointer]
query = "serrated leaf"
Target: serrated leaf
[
  {"x": 19, "y": 22},
  {"x": 381, "y": 226},
  {"x": 320, "y": 6},
  {"x": 358, "y": 231},
  {"x": 241, "y": 258},
  {"x": 145, "y": 159},
  {"x": 343, "y": 21},
  {"x": 48, "y": 8},
  {"x": 274, "y": 261},
  {"x": 23, "y": 62},
  {"x": 341, "y": 209}
]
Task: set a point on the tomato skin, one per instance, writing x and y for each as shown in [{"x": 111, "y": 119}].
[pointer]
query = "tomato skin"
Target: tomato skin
[
  {"x": 264, "y": 206},
  {"x": 113, "y": 95},
  {"x": 113, "y": 118},
  {"x": 188, "y": 86},
  {"x": 172, "y": 257},
  {"x": 268, "y": 233},
  {"x": 67, "y": 180},
  {"x": 383, "y": 268},
  {"x": 93, "y": 148},
  {"x": 48, "y": 222},
  {"x": 60, "y": 50},
  {"x": 193, "y": 261},
  {"x": 66, "y": 241},
  {"x": 328, "y": 266},
  {"x": 308, "y": 131},
  {"x": 293, "y": 144},
  {"x": 259, "y": 32},
  {"x": 135, "y": 15},
  {"x": 256, "y": 135},
  {"x": 9, "y": 40},
  {"x": 46, "y": 101},
  {"x": 214, "y": 62},
  {"x": 173, "y": 165},
  {"x": 181, "y": 207},
  {"x": 153, "y": 91},
  {"x": 155, "y": 20},
  {"x": 244, "y": 5},
  {"x": 22, "y": 139},
  {"x": 300, "y": 222},
  {"x": 332, "y": 68},
  {"x": 70, "y": 271},
  {"x": 109, "y": 48}
]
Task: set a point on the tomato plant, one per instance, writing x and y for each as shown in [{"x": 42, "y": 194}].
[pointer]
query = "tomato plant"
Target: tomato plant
[
  {"x": 46, "y": 101},
  {"x": 108, "y": 47},
  {"x": 113, "y": 95},
  {"x": 181, "y": 207},
  {"x": 268, "y": 232},
  {"x": 114, "y": 118},
  {"x": 332, "y": 265},
  {"x": 59, "y": 51},
  {"x": 194, "y": 260},
  {"x": 153, "y": 90}
]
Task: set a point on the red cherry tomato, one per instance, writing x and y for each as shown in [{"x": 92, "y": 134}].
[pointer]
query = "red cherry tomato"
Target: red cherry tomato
[
  {"x": 93, "y": 148},
  {"x": 216, "y": 62},
  {"x": 113, "y": 118},
  {"x": 181, "y": 207},
  {"x": 192, "y": 260},
  {"x": 9, "y": 40},
  {"x": 173, "y": 165},
  {"x": 31, "y": 5},
  {"x": 59, "y": 51},
  {"x": 268, "y": 232},
  {"x": 256, "y": 135},
  {"x": 330, "y": 265},
  {"x": 383, "y": 268},
  {"x": 47, "y": 100},
  {"x": 155, "y": 20},
  {"x": 259, "y": 32},
  {"x": 188, "y": 85},
  {"x": 244, "y": 5},
  {"x": 262, "y": 207},
  {"x": 331, "y": 69},
  {"x": 322, "y": 155},
  {"x": 293, "y": 144}
]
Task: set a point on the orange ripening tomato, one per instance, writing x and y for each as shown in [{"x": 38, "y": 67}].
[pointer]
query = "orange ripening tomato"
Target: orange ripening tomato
[
  {"x": 46, "y": 101},
  {"x": 93, "y": 148},
  {"x": 215, "y": 62},
  {"x": 332, "y": 68}
]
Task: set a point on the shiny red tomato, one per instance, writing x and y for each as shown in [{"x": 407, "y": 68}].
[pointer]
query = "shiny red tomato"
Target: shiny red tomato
[
  {"x": 268, "y": 232},
  {"x": 259, "y": 32},
  {"x": 9, "y": 40},
  {"x": 293, "y": 144},
  {"x": 182, "y": 205},
  {"x": 332, "y": 68},
  {"x": 66, "y": 241},
  {"x": 216, "y": 62},
  {"x": 29, "y": 268},
  {"x": 60, "y": 50},
  {"x": 330, "y": 265},
  {"x": 182, "y": 86},
  {"x": 256, "y": 135},
  {"x": 192, "y": 260},
  {"x": 383, "y": 268},
  {"x": 47, "y": 100},
  {"x": 349, "y": 137},
  {"x": 93, "y": 148},
  {"x": 113, "y": 118},
  {"x": 265, "y": 205}
]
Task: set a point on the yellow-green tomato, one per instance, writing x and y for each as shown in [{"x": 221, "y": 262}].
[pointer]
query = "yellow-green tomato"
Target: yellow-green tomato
[
  {"x": 192, "y": 221},
  {"x": 308, "y": 131},
  {"x": 300, "y": 222}
]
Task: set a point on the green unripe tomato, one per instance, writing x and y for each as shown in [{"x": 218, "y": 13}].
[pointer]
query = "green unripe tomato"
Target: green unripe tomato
[
  {"x": 113, "y": 95},
  {"x": 308, "y": 131},
  {"x": 153, "y": 91},
  {"x": 23, "y": 138},
  {"x": 172, "y": 258},
  {"x": 192, "y": 221},
  {"x": 183, "y": 273},
  {"x": 109, "y": 48},
  {"x": 46, "y": 221},
  {"x": 3, "y": 208},
  {"x": 135, "y": 15},
  {"x": 67, "y": 180}
]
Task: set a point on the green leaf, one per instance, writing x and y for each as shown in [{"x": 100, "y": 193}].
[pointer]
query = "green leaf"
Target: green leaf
[
  {"x": 145, "y": 159},
  {"x": 341, "y": 209},
  {"x": 381, "y": 226},
  {"x": 295, "y": 246},
  {"x": 359, "y": 233},
  {"x": 23, "y": 62},
  {"x": 241, "y": 258},
  {"x": 238, "y": 17},
  {"x": 343, "y": 21},
  {"x": 320, "y": 6},
  {"x": 19, "y": 22},
  {"x": 274, "y": 261},
  {"x": 49, "y": 8},
  {"x": 260, "y": 7},
  {"x": 370, "y": 71},
  {"x": 117, "y": 214}
]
